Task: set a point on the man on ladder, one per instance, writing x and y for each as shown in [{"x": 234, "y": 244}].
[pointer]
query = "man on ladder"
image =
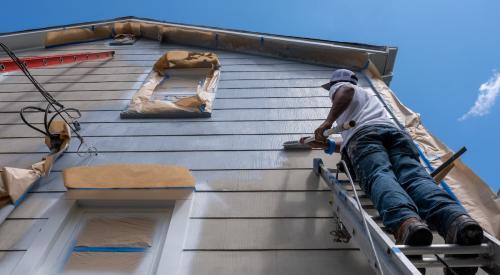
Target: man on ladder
[{"x": 386, "y": 162}]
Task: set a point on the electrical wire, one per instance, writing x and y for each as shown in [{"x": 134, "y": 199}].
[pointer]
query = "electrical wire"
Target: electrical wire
[
  {"x": 54, "y": 108},
  {"x": 365, "y": 223}
]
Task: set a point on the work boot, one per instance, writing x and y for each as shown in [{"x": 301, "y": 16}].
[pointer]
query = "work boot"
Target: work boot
[
  {"x": 413, "y": 232},
  {"x": 464, "y": 231},
  {"x": 416, "y": 233}
]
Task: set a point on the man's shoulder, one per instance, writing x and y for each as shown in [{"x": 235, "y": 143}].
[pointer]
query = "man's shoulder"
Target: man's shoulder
[{"x": 341, "y": 87}]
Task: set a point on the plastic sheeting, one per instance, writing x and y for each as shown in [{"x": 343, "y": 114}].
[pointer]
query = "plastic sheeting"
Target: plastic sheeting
[
  {"x": 474, "y": 194},
  {"x": 144, "y": 103},
  {"x": 127, "y": 176},
  {"x": 15, "y": 182}
]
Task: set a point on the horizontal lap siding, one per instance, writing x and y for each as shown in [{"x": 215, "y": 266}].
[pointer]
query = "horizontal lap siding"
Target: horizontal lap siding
[
  {"x": 140, "y": 75},
  {"x": 172, "y": 128},
  {"x": 9, "y": 260},
  {"x": 290, "y": 262},
  {"x": 127, "y": 94},
  {"x": 119, "y": 85},
  {"x": 160, "y": 143},
  {"x": 228, "y": 180},
  {"x": 220, "y": 104},
  {"x": 206, "y": 160},
  {"x": 257, "y": 209},
  {"x": 220, "y": 115}
]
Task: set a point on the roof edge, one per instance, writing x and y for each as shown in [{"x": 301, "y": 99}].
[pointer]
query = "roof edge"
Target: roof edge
[{"x": 308, "y": 50}]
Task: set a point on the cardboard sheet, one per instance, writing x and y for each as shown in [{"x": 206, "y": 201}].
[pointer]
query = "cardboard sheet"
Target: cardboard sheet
[
  {"x": 474, "y": 194},
  {"x": 117, "y": 232},
  {"x": 84, "y": 263},
  {"x": 128, "y": 176}
]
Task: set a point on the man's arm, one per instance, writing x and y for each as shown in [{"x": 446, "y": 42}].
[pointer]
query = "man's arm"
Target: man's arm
[{"x": 340, "y": 102}]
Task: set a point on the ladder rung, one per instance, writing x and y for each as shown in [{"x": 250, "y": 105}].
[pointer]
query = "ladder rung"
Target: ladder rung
[
  {"x": 451, "y": 262},
  {"x": 451, "y": 249}
]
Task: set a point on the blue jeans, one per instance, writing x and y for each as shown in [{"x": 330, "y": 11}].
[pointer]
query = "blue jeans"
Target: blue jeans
[{"x": 386, "y": 162}]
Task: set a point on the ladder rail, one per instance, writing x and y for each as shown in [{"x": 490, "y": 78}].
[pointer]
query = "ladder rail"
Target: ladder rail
[
  {"x": 9, "y": 65},
  {"x": 392, "y": 259}
]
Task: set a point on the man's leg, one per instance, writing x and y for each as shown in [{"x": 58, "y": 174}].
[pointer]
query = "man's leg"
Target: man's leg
[
  {"x": 434, "y": 204},
  {"x": 373, "y": 169}
]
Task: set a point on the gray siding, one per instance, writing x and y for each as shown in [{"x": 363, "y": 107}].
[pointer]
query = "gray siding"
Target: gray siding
[{"x": 257, "y": 209}]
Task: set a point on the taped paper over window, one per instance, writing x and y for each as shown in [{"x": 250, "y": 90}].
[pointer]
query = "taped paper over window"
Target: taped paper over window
[
  {"x": 117, "y": 232},
  {"x": 182, "y": 84},
  {"x": 15, "y": 182},
  {"x": 84, "y": 263}
]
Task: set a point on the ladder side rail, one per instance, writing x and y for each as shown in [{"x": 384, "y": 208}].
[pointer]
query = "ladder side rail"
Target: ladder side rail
[
  {"x": 392, "y": 259},
  {"x": 9, "y": 65}
]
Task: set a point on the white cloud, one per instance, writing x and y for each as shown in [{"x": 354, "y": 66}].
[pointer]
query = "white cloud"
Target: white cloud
[{"x": 488, "y": 93}]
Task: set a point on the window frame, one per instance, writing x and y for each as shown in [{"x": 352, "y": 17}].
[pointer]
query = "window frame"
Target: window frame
[{"x": 44, "y": 253}]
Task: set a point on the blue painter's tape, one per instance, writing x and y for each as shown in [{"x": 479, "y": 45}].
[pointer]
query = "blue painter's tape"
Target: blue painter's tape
[
  {"x": 395, "y": 249},
  {"x": 445, "y": 186},
  {"x": 366, "y": 65},
  {"x": 331, "y": 147},
  {"x": 107, "y": 249},
  {"x": 21, "y": 199}
]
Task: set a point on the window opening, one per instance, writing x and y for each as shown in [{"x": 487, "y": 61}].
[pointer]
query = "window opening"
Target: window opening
[{"x": 182, "y": 84}]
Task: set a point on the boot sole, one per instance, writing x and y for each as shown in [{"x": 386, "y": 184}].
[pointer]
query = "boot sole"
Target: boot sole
[
  {"x": 422, "y": 236},
  {"x": 471, "y": 234}
]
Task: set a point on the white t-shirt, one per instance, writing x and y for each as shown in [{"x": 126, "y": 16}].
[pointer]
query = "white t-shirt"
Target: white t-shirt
[{"x": 365, "y": 109}]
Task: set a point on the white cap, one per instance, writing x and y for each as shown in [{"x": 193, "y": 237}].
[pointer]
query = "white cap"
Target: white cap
[{"x": 341, "y": 75}]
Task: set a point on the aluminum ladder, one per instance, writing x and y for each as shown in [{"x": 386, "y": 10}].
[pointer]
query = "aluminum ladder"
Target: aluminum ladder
[{"x": 384, "y": 256}]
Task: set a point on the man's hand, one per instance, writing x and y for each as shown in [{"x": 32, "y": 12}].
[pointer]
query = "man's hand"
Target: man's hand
[
  {"x": 318, "y": 133},
  {"x": 340, "y": 101}
]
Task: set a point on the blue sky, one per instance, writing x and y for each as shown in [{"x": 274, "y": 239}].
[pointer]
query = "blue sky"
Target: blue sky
[{"x": 447, "y": 49}]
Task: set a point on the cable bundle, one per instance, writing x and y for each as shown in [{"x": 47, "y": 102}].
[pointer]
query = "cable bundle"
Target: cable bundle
[{"x": 54, "y": 108}]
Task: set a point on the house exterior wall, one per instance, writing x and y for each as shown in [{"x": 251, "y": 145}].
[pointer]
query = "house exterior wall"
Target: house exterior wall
[{"x": 256, "y": 210}]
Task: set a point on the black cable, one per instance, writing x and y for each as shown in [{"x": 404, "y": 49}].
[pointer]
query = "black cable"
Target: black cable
[
  {"x": 448, "y": 268},
  {"x": 57, "y": 107}
]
